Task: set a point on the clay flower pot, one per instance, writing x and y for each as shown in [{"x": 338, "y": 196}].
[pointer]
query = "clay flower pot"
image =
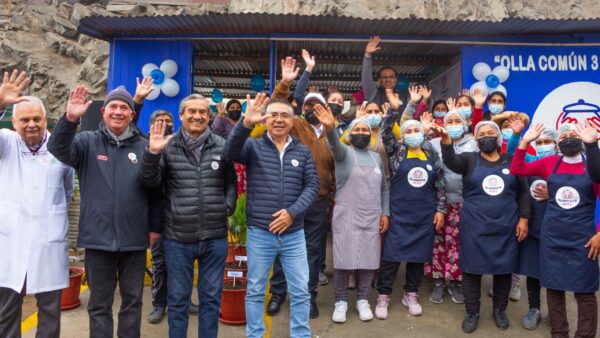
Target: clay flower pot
[
  {"x": 235, "y": 250},
  {"x": 233, "y": 302},
  {"x": 70, "y": 294}
]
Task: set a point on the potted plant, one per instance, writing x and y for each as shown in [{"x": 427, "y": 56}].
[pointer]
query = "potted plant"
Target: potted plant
[
  {"x": 237, "y": 230},
  {"x": 70, "y": 294}
]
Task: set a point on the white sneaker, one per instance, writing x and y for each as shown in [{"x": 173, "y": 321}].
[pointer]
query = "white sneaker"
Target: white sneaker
[
  {"x": 339, "y": 313},
  {"x": 364, "y": 310},
  {"x": 381, "y": 309},
  {"x": 515, "y": 288},
  {"x": 410, "y": 300}
]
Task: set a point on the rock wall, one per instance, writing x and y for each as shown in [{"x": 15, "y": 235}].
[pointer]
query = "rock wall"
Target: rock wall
[{"x": 40, "y": 36}]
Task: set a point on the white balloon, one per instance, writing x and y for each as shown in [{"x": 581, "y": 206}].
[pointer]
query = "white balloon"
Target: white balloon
[
  {"x": 501, "y": 72},
  {"x": 170, "y": 87},
  {"x": 148, "y": 68},
  {"x": 481, "y": 70},
  {"x": 481, "y": 86},
  {"x": 500, "y": 88},
  {"x": 154, "y": 93},
  {"x": 169, "y": 68}
]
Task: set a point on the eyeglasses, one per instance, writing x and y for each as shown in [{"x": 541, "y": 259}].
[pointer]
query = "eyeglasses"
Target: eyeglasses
[{"x": 283, "y": 116}]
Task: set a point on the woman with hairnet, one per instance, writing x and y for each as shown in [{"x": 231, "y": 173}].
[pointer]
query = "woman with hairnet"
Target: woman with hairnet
[
  {"x": 360, "y": 215},
  {"x": 496, "y": 207},
  {"x": 569, "y": 241},
  {"x": 444, "y": 266},
  {"x": 417, "y": 207}
]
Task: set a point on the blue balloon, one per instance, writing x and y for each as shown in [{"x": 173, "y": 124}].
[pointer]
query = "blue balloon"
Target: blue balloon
[
  {"x": 257, "y": 83},
  {"x": 492, "y": 81},
  {"x": 217, "y": 95},
  {"x": 244, "y": 105},
  {"x": 402, "y": 84}
]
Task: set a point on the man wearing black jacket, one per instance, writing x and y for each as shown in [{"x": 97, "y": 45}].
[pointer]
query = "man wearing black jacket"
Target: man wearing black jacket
[
  {"x": 200, "y": 191},
  {"x": 114, "y": 222}
]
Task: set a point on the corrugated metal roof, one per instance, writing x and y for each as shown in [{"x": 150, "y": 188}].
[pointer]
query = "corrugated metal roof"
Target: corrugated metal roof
[{"x": 103, "y": 27}]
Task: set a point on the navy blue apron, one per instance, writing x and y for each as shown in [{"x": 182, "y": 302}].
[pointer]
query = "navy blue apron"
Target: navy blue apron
[
  {"x": 568, "y": 225},
  {"x": 411, "y": 233},
  {"x": 529, "y": 249},
  {"x": 488, "y": 221}
]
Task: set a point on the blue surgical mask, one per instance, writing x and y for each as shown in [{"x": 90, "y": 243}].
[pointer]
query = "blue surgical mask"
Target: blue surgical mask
[
  {"x": 373, "y": 120},
  {"x": 456, "y": 131},
  {"x": 414, "y": 140},
  {"x": 506, "y": 133},
  {"x": 545, "y": 150},
  {"x": 439, "y": 114},
  {"x": 496, "y": 108},
  {"x": 465, "y": 111}
]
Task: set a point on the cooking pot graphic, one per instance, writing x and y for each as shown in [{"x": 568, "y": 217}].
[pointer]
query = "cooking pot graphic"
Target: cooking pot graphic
[{"x": 580, "y": 112}]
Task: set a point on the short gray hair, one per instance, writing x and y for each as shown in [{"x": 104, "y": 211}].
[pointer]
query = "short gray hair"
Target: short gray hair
[
  {"x": 189, "y": 98},
  {"x": 280, "y": 101},
  {"x": 32, "y": 100},
  {"x": 159, "y": 112}
]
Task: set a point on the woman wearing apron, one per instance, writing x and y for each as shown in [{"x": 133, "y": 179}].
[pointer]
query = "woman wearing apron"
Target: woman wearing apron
[
  {"x": 569, "y": 243},
  {"x": 496, "y": 207},
  {"x": 360, "y": 215},
  {"x": 417, "y": 207}
]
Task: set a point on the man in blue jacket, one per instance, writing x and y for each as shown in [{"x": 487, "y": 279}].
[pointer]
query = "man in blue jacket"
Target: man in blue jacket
[
  {"x": 114, "y": 224},
  {"x": 282, "y": 185}
]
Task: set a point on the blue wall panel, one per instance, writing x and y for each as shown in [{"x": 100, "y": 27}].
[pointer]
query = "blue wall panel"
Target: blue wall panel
[{"x": 129, "y": 56}]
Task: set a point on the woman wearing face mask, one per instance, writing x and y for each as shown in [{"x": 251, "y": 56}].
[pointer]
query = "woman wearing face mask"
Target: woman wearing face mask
[
  {"x": 496, "y": 105},
  {"x": 439, "y": 111},
  {"x": 444, "y": 266},
  {"x": 226, "y": 118},
  {"x": 511, "y": 125},
  {"x": 569, "y": 242},
  {"x": 496, "y": 207},
  {"x": 470, "y": 104},
  {"x": 417, "y": 207},
  {"x": 360, "y": 215}
]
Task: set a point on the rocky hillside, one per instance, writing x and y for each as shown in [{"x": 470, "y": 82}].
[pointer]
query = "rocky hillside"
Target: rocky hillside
[{"x": 41, "y": 36}]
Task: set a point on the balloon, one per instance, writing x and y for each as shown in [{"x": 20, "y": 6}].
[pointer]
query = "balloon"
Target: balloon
[
  {"x": 402, "y": 84},
  {"x": 154, "y": 93},
  {"x": 169, "y": 68},
  {"x": 217, "y": 95},
  {"x": 257, "y": 83},
  {"x": 492, "y": 81},
  {"x": 244, "y": 105},
  {"x": 500, "y": 88},
  {"x": 148, "y": 68},
  {"x": 481, "y": 70},
  {"x": 501, "y": 72},
  {"x": 481, "y": 86},
  {"x": 158, "y": 76},
  {"x": 170, "y": 88}
]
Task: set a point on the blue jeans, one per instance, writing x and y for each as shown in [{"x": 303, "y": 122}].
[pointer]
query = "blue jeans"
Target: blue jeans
[
  {"x": 263, "y": 246},
  {"x": 179, "y": 259}
]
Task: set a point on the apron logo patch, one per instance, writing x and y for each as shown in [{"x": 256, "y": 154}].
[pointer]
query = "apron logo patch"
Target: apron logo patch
[
  {"x": 417, "y": 177},
  {"x": 505, "y": 171},
  {"x": 567, "y": 197},
  {"x": 214, "y": 165},
  {"x": 493, "y": 185},
  {"x": 132, "y": 157},
  {"x": 536, "y": 184},
  {"x": 295, "y": 163},
  {"x": 102, "y": 158}
]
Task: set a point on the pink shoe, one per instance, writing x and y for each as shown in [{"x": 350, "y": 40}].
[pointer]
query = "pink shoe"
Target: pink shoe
[
  {"x": 411, "y": 301},
  {"x": 381, "y": 310}
]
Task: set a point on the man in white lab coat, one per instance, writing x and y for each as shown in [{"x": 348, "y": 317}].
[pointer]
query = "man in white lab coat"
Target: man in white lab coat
[{"x": 35, "y": 189}]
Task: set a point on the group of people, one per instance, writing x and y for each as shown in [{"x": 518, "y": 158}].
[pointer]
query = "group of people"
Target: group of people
[{"x": 450, "y": 191}]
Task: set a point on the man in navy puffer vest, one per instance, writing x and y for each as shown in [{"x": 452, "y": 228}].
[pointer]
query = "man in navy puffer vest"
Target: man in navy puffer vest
[{"x": 282, "y": 185}]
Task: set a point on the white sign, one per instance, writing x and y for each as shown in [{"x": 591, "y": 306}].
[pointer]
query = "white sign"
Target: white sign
[
  {"x": 567, "y": 198},
  {"x": 235, "y": 274},
  {"x": 241, "y": 258},
  {"x": 536, "y": 184}
]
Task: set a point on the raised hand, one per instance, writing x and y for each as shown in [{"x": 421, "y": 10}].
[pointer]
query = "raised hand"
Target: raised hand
[
  {"x": 157, "y": 141},
  {"x": 12, "y": 87},
  {"x": 465, "y": 91},
  {"x": 427, "y": 121},
  {"x": 325, "y": 116},
  {"x": 415, "y": 94},
  {"x": 77, "y": 104},
  {"x": 386, "y": 107},
  {"x": 361, "y": 111},
  {"x": 372, "y": 46},
  {"x": 142, "y": 89},
  {"x": 255, "y": 109},
  {"x": 587, "y": 133},
  {"x": 533, "y": 133},
  {"x": 289, "y": 71},
  {"x": 451, "y": 103},
  {"x": 313, "y": 89},
  {"x": 393, "y": 98},
  {"x": 221, "y": 109},
  {"x": 479, "y": 98},
  {"x": 516, "y": 123},
  {"x": 425, "y": 93},
  {"x": 309, "y": 60}
]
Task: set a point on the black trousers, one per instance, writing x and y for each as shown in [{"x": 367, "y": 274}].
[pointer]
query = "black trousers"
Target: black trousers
[
  {"x": 104, "y": 270},
  {"x": 388, "y": 272},
  {"x": 159, "y": 275},
  {"x": 315, "y": 232},
  {"x": 587, "y": 314},
  {"x": 472, "y": 291},
  {"x": 533, "y": 292},
  {"x": 48, "y": 304}
]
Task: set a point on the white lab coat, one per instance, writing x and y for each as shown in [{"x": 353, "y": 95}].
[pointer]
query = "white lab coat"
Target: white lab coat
[{"x": 34, "y": 194}]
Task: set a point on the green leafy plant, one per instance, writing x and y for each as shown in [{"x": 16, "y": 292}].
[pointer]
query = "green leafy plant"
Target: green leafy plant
[{"x": 237, "y": 221}]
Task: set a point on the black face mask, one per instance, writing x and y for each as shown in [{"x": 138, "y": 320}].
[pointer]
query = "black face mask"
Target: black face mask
[
  {"x": 336, "y": 109},
  {"x": 234, "y": 114},
  {"x": 360, "y": 141},
  {"x": 488, "y": 144},
  {"x": 309, "y": 115},
  {"x": 570, "y": 146}
]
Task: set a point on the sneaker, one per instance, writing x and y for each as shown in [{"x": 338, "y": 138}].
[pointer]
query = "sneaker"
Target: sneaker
[
  {"x": 532, "y": 319},
  {"x": 439, "y": 289},
  {"x": 515, "y": 293},
  {"x": 156, "y": 315},
  {"x": 501, "y": 319},
  {"x": 381, "y": 310},
  {"x": 455, "y": 290},
  {"x": 314, "y": 310},
  {"x": 339, "y": 313},
  {"x": 469, "y": 324},
  {"x": 410, "y": 300},
  {"x": 364, "y": 310},
  {"x": 323, "y": 280},
  {"x": 193, "y": 309}
]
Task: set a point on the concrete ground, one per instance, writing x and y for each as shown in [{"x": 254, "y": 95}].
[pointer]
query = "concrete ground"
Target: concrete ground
[{"x": 438, "y": 320}]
